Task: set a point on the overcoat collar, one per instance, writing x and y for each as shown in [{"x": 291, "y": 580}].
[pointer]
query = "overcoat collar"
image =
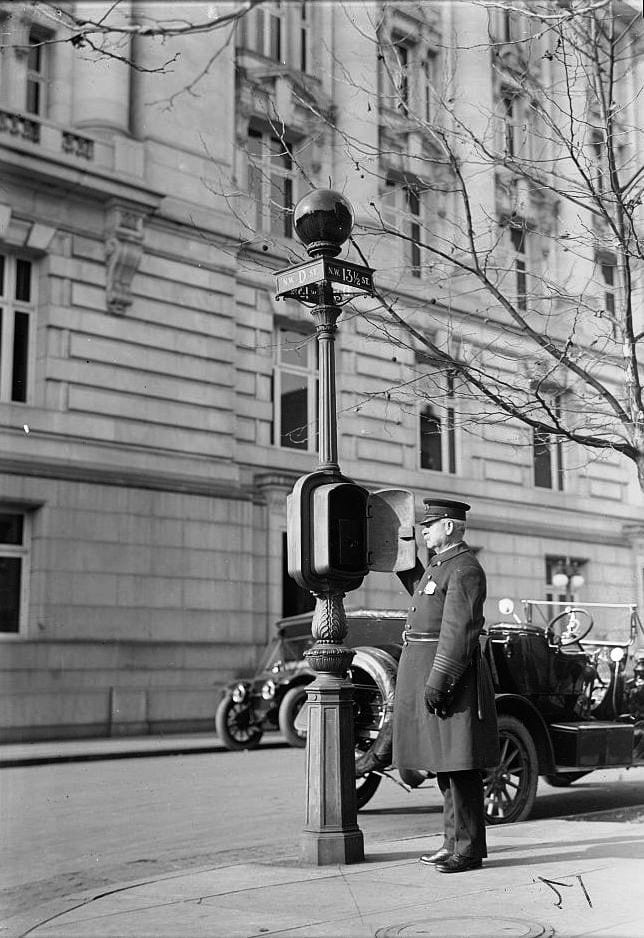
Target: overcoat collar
[{"x": 454, "y": 551}]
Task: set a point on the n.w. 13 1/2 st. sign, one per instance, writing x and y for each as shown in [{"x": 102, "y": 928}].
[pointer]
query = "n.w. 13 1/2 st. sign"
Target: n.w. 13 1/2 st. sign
[{"x": 353, "y": 277}]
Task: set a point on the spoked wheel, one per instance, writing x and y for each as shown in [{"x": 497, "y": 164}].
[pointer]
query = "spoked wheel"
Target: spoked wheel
[
  {"x": 235, "y": 725},
  {"x": 511, "y": 788},
  {"x": 372, "y": 684}
]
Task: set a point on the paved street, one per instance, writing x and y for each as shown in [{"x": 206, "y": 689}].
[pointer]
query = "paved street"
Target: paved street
[{"x": 72, "y": 826}]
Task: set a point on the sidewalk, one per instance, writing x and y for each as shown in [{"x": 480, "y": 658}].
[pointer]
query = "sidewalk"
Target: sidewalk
[
  {"x": 564, "y": 877},
  {"x": 115, "y": 747},
  {"x": 545, "y": 878},
  {"x": 572, "y": 877}
]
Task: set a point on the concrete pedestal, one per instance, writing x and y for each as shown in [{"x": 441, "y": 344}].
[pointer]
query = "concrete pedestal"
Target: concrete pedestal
[{"x": 331, "y": 833}]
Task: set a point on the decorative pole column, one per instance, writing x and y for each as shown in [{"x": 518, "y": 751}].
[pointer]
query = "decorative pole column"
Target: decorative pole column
[
  {"x": 331, "y": 833},
  {"x": 323, "y": 221}
]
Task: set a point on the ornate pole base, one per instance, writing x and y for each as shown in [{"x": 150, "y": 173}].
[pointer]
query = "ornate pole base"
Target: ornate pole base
[{"x": 331, "y": 833}]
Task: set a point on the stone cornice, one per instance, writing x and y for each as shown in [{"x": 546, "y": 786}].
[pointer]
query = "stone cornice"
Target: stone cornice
[
  {"x": 552, "y": 532},
  {"x": 132, "y": 478},
  {"x": 24, "y": 160}
]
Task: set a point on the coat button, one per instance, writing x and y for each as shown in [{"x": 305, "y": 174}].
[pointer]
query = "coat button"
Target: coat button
[{"x": 413, "y": 609}]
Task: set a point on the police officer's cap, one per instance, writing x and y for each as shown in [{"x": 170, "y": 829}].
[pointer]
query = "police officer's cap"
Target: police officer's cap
[{"x": 437, "y": 508}]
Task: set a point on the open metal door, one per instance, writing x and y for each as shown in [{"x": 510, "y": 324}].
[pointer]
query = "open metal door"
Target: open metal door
[{"x": 391, "y": 543}]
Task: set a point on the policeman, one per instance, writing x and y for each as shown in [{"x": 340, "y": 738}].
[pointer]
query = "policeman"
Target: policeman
[{"x": 444, "y": 713}]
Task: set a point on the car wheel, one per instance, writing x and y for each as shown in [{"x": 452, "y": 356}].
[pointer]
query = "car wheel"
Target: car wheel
[
  {"x": 292, "y": 702},
  {"x": 511, "y": 787},
  {"x": 564, "y": 779},
  {"x": 366, "y": 787},
  {"x": 235, "y": 725}
]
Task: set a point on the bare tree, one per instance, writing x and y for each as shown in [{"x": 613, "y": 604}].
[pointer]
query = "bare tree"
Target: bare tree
[
  {"x": 516, "y": 220},
  {"x": 555, "y": 263},
  {"x": 105, "y": 29}
]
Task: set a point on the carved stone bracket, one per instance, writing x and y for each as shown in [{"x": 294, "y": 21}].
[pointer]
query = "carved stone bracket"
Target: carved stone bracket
[{"x": 123, "y": 251}]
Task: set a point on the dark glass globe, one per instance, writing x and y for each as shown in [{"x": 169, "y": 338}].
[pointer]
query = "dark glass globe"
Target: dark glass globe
[{"x": 323, "y": 220}]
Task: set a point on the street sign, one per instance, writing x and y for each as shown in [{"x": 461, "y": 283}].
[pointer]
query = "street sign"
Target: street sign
[
  {"x": 349, "y": 275},
  {"x": 295, "y": 282},
  {"x": 293, "y": 278}
]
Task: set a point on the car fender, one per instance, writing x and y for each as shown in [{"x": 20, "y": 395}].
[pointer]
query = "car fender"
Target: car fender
[
  {"x": 521, "y": 708},
  {"x": 382, "y": 667}
]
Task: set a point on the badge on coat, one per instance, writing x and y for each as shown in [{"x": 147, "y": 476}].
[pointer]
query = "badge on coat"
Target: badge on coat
[{"x": 430, "y": 589}]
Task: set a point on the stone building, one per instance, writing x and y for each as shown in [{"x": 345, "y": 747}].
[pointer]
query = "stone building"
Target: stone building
[{"x": 157, "y": 403}]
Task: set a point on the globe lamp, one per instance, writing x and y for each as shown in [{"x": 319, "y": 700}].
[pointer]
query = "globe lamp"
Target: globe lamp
[{"x": 323, "y": 220}]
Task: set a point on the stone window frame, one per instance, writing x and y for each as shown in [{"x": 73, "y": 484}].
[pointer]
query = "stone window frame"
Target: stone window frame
[
  {"x": 403, "y": 200},
  {"x": 263, "y": 171},
  {"x": 445, "y": 416},
  {"x": 309, "y": 373},
  {"x": 407, "y": 45},
  {"x": 16, "y": 552},
  {"x": 279, "y": 32},
  {"x": 548, "y": 464},
  {"x": 18, "y": 316},
  {"x": 39, "y": 51}
]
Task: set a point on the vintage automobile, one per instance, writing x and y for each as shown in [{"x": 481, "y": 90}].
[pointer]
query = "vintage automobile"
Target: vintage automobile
[
  {"x": 567, "y": 704},
  {"x": 273, "y": 696}
]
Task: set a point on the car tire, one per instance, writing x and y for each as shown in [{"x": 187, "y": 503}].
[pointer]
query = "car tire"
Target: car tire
[
  {"x": 564, "y": 779},
  {"x": 234, "y": 725},
  {"x": 292, "y": 702},
  {"x": 511, "y": 788}
]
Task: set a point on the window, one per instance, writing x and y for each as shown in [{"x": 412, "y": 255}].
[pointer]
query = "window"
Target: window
[
  {"x": 397, "y": 66},
  {"x": 295, "y": 390},
  {"x": 279, "y": 31},
  {"x": 16, "y": 315},
  {"x": 514, "y": 118},
  {"x": 402, "y": 82},
  {"x": 403, "y": 210},
  {"x": 511, "y": 123},
  {"x": 36, "y": 99},
  {"x": 270, "y": 182},
  {"x": 438, "y": 436},
  {"x": 519, "y": 241},
  {"x": 407, "y": 74},
  {"x": 564, "y": 578},
  {"x": 608, "y": 269},
  {"x": 547, "y": 457},
  {"x": 14, "y": 548},
  {"x": 429, "y": 78},
  {"x": 302, "y": 44}
]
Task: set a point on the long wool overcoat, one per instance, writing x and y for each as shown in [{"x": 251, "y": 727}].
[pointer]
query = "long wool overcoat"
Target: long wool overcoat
[{"x": 447, "y": 605}]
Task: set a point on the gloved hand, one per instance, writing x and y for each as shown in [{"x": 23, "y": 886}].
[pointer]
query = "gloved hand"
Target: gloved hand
[{"x": 436, "y": 701}]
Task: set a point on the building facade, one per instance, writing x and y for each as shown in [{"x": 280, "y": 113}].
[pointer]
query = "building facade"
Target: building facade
[{"x": 157, "y": 403}]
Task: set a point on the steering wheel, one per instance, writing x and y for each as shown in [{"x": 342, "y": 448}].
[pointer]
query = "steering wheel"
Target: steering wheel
[{"x": 575, "y": 629}]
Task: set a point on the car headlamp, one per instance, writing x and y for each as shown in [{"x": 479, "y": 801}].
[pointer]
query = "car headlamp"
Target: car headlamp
[
  {"x": 239, "y": 693},
  {"x": 268, "y": 690}
]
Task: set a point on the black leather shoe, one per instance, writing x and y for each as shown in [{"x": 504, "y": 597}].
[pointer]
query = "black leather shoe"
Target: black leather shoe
[
  {"x": 459, "y": 864},
  {"x": 369, "y": 762},
  {"x": 439, "y": 857}
]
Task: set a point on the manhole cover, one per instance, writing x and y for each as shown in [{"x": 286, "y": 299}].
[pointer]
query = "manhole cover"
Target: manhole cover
[{"x": 468, "y": 926}]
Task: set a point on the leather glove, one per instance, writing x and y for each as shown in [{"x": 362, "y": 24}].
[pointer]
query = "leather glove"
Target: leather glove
[{"x": 436, "y": 701}]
